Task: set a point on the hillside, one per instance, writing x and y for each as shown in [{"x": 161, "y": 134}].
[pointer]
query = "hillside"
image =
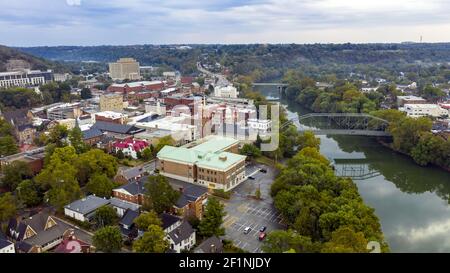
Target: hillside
[{"x": 11, "y": 59}]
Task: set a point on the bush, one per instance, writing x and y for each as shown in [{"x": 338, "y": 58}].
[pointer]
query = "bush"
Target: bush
[{"x": 223, "y": 194}]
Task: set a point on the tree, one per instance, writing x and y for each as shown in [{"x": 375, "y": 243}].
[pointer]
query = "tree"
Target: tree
[
  {"x": 106, "y": 216},
  {"x": 345, "y": 240},
  {"x": 14, "y": 173},
  {"x": 279, "y": 241},
  {"x": 407, "y": 131},
  {"x": 95, "y": 161},
  {"x": 211, "y": 224},
  {"x": 107, "y": 239},
  {"x": 86, "y": 93},
  {"x": 120, "y": 154},
  {"x": 167, "y": 140},
  {"x": 28, "y": 193},
  {"x": 100, "y": 185},
  {"x": 308, "y": 139},
  {"x": 146, "y": 219},
  {"x": 8, "y": 146},
  {"x": 8, "y": 206},
  {"x": 152, "y": 241},
  {"x": 258, "y": 193},
  {"x": 57, "y": 135},
  {"x": 76, "y": 140},
  {"x": 146, "y": 154},
  {"x": 160, "y": 195},
  {"x": 250, "y": 150}
]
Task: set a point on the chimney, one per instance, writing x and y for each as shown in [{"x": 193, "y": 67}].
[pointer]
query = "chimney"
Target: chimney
[{"x": 213, "y": 248}]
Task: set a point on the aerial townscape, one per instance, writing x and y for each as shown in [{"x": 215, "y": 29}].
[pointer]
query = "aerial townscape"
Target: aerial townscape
[{"x": 224, "y": 148}]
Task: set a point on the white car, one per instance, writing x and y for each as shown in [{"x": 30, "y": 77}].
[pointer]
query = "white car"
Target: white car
[{"x": 247, "y": 230}]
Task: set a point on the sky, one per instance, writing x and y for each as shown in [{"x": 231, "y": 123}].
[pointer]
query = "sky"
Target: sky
[{"x": 126, "y": 22}]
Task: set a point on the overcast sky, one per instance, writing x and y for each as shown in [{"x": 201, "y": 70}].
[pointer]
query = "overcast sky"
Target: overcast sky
[{"x": 123, "y": 22}]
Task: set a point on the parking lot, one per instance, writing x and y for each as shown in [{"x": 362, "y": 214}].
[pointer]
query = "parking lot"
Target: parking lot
[{"x": 244, "y": 211}]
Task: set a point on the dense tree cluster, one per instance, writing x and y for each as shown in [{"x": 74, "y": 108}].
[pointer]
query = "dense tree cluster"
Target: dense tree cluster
[{"x": 324, "y": 213}]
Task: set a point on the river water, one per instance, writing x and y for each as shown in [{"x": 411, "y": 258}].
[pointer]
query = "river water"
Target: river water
[{"x": 411, "y": 201}]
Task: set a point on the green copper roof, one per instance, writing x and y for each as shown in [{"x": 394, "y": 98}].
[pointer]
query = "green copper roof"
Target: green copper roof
[{"x": 207, "y": 155}]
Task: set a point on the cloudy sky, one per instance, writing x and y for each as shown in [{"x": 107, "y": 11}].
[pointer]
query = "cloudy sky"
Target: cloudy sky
[{"x": 98, "y": 22}]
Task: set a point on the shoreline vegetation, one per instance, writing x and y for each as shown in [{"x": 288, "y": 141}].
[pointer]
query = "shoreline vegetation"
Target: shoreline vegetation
[{"x": 324, "y": 213}]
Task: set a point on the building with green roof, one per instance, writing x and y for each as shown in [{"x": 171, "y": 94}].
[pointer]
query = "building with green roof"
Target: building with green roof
[{"x": 208, "y": 163}]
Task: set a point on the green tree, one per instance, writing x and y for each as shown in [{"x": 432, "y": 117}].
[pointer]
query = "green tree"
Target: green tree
[
  {"x": 76, "y": 140},
  {"x": 147, "y": 219},
  {"x": 106, "y": 216},
  {"x": 152, "y": 241},
  {"x": 308, "y": 139},
  {"x": 250, "y": 150},
  {"x": 28, "y": 193},
  {"x": 279, "y": 241},
  {"x": 100, "y": 185},
  {"x": 57, "y": 135},
  {"x": 345, "y": 240},
  {"x": 167, "y": 140},
  {"x": 14, "y": 173},
  {"x": 95, "y": 161},
  {"x": 160, "y": 196},
  {"x": 407, "y": 131},
  {"x": 8, "y": 206},
  {"x": 8, "y": 146},
  {"x": 86, "y": 93},
  {"x": 147, "y": 154},
  {"x": 211, "y": 224},
  {"x": 107, "y": 239}
]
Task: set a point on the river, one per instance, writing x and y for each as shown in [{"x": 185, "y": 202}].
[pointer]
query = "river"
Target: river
[{"x": 412, "y": 202}]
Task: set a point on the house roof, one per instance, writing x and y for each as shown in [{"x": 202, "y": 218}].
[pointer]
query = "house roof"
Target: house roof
[
  {"x": 134, "y": 188},
  {"x": 211, "y": 245},
  {"x": 128, "y": 217},
  {"x": 168, "y": 220},
  {"x": 134, "y": 172},
  {"x": 181, "y": 233},
  {"x": 91, "y": 133},
  {"x": 215, "y": 144},
  {"x": 4, "y": 242},
  {"x": 189, "y": 192},
  {"x": 88, "y": 204},
  {"x": 116, "y": 128},
  {"x": 115, "y": 202}
]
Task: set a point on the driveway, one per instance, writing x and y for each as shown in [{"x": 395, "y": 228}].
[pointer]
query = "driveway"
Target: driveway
[{"x": 244, "y": 211}]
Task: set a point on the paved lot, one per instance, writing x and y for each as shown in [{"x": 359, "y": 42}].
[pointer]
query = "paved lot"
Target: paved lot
[{"x": 244, "y": 211}]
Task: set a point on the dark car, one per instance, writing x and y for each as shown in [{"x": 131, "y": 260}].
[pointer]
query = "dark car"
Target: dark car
[
  {"x": 263, "y": 170},
  {"x": 262, "y": 229},
  {"x": 251, "y": 178}
]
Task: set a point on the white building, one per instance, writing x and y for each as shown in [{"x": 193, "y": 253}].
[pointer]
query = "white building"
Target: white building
[
  {"x": 84, "y": 209},
  {"x": 179, "y": 233},
  {"x": 225, "y": 91},
  {"x": 262, "y": 126},
  {"x": 156, "y": 108},
  {"x": 24, "y": 78},
  {"x": 420, "y": 110},
  {"x": 180, "y": 127}
]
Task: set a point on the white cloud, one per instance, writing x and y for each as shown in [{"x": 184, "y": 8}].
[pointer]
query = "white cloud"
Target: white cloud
[{"x": 73, "y": 2}]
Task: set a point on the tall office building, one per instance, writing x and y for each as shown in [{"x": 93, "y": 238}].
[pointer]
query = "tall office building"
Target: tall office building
[
  {"x": 125, "y": 69},
  {"x": 111, "y": 102}
]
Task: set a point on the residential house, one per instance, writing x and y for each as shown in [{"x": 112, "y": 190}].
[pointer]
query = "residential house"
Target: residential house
[
  {"x": 210, "y": 245},
  {"x": 71, "y": 244},
  {"x": 6, "y": 246},
  {"x": 130, "y": 147},
  {"x": 127, "y": 226},
  {"x": 129, "y": 175},
  {"x": 84, "y": 209},
  {"x": 192, "y": 199},
  {"x": 121, "y": 207},
  {"x": 41, "y": 232},
  {"x": 179, "y": 233},
  {"x": 92, "y": 136}
]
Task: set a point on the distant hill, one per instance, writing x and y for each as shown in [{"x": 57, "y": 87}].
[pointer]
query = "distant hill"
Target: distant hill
[{"x": 11, "y": 59}]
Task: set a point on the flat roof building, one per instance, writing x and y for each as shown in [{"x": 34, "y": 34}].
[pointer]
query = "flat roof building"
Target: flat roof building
[{"x": 125, "y": 68}]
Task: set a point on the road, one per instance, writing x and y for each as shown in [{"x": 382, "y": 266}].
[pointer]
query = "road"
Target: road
[
  {"x": 222, "y": 80},
  {"x": 244, "y": 211}
]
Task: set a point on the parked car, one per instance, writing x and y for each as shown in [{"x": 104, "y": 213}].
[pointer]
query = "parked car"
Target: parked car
[
  {"x": 247, "y": 230},
  {"x": 251, "y": 178},
  {"x": 262, "y": 229},
  {"x": 262, "y": 235},
  {"x": 263, "y": 170}
]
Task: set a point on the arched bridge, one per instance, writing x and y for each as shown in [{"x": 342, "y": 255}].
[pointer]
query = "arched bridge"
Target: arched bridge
[{"x": 341, "y": 124}]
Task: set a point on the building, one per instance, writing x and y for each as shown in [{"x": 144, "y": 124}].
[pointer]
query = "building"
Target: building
[
  {"x": 41, "y": 232},
  {"x": 125, "y": 69},
  {"x": 261, "y": 126},
  {"x": 125, "y": 88},
  {"x": 130, "y": 147},
  {"x": 84, "y": 209},
  {"x": 402, "y": 100},
  {"x": 110, "y": 116},
  {"x": 121, "y": 131},
  {"x": 129, "y": 175},
  {"x": 180, "y": 127},
  {"x": 25, "y": 133},
  {"x": 131, "y": 192},
  {"x": 34, "y": 159},
  {"x": 64, "y": 111},
  {"x": 111, "y": 102},
  {"x": 179, "y": 233},
  {"x": 6, "y": 246},
  {"x": 228, "y": 91},
  {"x": 61, "y": 77},
  {"x": 192, "y": 199},
  {"x": 210, "y": 245},
  {"x": 25, "y": 78},
  {"x": 209, "y": 164},
  {"x": 121, "y": 207},
  {"x": 92, "y": 136},
  {"x": 421, "y": 110}
]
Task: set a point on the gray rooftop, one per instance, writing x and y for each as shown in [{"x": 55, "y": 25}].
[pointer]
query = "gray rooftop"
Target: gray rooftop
[
  {"x": 115, "y": 202},
  {"x": 88, "y": 204}
]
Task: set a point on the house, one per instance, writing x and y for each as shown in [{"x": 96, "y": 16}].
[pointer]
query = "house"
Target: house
[
  {"x": 41, "y": 232},
  {"x": 126, "y": 223},
  {"x": 130, "y": 147},
  {"x": 34, "y": 159},
  {"x": 25, "y": 133},
  {"x": 129, "y": 175},
  {"x": 84, "y": 209},
  {"x": 182, "y": 237},
  {"x": 211, "y": 245},
  {"x": 92, "y": 136},
  {"x": 6, "y": 246},
  {"x": 192, "y": 199},
  {"x": 131, "y": 192},
  {"x": 121, "y": 207}
]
